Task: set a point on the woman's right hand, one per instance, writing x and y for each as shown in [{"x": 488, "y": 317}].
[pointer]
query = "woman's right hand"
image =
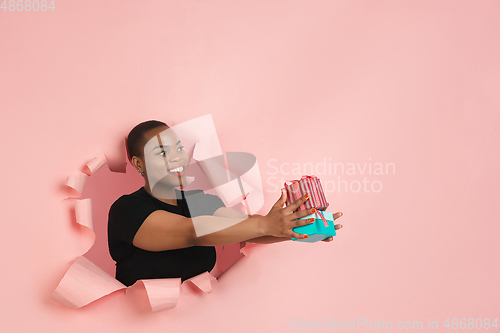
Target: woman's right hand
[{"x": 280, "y": 220}]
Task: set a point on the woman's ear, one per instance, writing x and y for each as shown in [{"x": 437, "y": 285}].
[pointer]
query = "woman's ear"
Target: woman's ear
[{"x": 136, "y": 163}]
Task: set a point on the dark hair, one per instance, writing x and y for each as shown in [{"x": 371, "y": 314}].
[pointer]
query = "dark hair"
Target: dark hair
[{"x": 135, "y": 140}]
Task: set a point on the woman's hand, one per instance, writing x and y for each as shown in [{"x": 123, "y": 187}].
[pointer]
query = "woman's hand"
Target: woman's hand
[
  {"x": 337, "y": 226},
  {"x": 280, "y": 221}
]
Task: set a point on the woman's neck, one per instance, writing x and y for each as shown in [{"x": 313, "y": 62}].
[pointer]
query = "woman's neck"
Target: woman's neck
[{"x": 165, "y": 194}]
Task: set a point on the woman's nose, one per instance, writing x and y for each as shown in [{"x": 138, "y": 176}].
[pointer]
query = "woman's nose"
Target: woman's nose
[{"x": 174, "y": 157}]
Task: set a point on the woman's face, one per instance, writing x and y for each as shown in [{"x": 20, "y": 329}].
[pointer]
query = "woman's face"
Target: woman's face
[{"x": 165, "y": 159}]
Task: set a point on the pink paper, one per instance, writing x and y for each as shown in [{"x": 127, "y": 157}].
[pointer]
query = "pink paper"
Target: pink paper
[
  {"x": 94, "y": 165},
  {"x": 76, "y": 182},
  {"x": 83, "y": 212},
  {"x": 203, "y": 281},
  {"x": 84, "y": 283},
  {"x": 163, "y": 294}
]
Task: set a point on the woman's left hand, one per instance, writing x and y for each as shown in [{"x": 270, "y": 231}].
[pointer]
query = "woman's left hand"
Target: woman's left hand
[{"x": 337, "y": 226}]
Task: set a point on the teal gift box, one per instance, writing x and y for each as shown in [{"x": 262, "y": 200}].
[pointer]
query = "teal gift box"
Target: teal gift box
[{"x": 316, "y": 231}]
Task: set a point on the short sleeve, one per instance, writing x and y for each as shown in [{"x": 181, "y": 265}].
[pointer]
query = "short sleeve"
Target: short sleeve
[
  {"x": 126, "y": 216},
  {"x": 215, "y": 203},
  {"x": 200, "y": 203}
]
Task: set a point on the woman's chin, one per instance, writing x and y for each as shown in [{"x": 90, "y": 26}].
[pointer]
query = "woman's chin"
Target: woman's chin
[
  {"x": 164, "y": 190},
  {"x": 172, "y": 180}
]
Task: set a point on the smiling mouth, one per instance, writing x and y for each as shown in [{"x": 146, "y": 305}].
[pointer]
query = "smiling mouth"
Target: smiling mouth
[{"x": 176, "y": 170}]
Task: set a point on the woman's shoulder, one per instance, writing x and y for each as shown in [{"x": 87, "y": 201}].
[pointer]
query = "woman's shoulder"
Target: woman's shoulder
[
  {"x": 134, "y": 197},
  {"x": 199, "y": 193}
]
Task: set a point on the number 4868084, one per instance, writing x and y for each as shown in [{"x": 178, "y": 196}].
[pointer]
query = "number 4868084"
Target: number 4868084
[
  {"x": 27, "y": 5},
  {"x": 479, "y": 323}
]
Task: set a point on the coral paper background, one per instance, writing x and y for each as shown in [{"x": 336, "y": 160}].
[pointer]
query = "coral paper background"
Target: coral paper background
[{"x": 409, "y": 84}]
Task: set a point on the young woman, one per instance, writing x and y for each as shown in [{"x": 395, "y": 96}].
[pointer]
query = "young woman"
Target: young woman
[{"x": 154, "y": 233}]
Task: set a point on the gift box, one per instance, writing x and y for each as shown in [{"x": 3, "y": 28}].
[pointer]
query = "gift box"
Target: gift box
[
  {"x": 318, "y": 230},
  {"x": 295, "y": 189}
]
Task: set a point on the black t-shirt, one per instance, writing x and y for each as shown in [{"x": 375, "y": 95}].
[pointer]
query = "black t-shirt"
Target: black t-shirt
[{"x": 125, "y": 217}]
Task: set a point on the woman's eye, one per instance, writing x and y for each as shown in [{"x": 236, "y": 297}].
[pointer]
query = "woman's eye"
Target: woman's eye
[{"x": 162, "y": 153}]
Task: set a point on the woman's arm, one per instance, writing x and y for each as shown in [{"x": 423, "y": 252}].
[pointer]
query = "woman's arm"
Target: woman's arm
[
  {"x": 163, "y": 230},
  {"x": 268, "y": 239},
  {"x": 231, "y": 213}
]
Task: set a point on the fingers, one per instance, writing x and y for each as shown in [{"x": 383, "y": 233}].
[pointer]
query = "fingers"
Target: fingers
[
  {"x": 296, "y": 204},
  {"x": 281, "y": 201},
  {"x": 302, "y": 213},
  {"x": 337, "y": 215},
  {"x": 299, "y": 223},
  {"x": 284, "y": 195},
  {"x": 299, "y": 236}
]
